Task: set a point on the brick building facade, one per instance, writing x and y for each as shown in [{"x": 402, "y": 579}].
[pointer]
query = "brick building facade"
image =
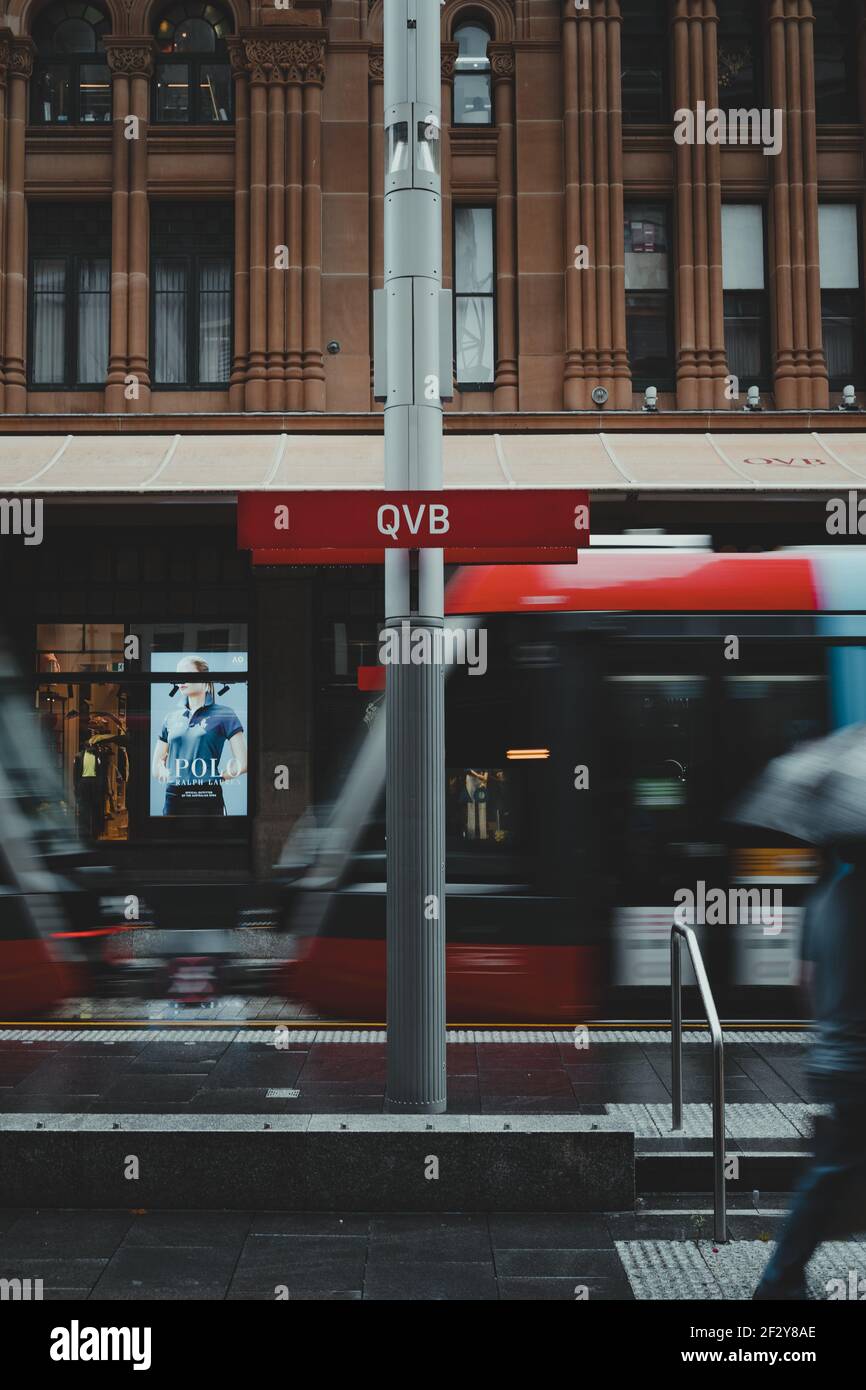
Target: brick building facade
[{"x": 585, "y": 245}]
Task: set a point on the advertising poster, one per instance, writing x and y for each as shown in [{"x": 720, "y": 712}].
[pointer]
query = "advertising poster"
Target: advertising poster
[{"x": 198, "y": 735}]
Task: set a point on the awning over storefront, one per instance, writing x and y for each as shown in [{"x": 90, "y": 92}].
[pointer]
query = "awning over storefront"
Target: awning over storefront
[{"x": 648, "y": 462}]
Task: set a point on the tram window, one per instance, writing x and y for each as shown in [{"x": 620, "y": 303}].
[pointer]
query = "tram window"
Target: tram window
[
  {"x": 768, "y": 715},
  {"x": 660, "y": 794}
]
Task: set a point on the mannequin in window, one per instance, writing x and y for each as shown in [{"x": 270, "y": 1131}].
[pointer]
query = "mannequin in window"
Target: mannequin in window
[{"x": 90, "y": 775}]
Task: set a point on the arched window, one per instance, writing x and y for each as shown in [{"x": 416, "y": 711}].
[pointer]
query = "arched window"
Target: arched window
[
  {"x": 71, "y": 81},
  {"x": 835, "y": 62},
  {"x": 193, "y": 77},
  {"x": 472, "y": 104}
]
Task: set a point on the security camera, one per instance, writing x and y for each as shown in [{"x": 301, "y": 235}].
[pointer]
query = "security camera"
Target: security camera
[{"x": 333, "y": 347}]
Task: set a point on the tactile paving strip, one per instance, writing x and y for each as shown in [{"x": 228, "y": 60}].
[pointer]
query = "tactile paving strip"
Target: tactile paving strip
[
  {"x": 700, "y": 1269},
  {"x": 293, "y": 1034}
]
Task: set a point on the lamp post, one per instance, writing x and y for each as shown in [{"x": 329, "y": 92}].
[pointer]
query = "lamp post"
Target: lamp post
[{"x": 408, "y": 315}]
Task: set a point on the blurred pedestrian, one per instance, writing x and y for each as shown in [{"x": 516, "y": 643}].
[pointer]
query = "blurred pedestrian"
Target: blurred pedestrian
[{"x": 831, "y": 1199}]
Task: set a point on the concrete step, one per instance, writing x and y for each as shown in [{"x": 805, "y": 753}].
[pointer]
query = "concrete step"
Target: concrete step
[{"x": 316, "y": 1162}]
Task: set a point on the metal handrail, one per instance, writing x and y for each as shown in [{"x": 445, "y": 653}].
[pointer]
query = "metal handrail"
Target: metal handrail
[{"x": 678, "y": 935}]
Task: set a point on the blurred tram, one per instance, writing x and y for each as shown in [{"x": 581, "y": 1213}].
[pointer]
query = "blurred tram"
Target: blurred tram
[
  {"x": 52, "y": 895},
  {"x": 627, "y": 700}
]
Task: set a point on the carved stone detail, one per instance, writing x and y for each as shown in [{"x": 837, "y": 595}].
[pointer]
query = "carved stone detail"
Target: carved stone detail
[
  {"x": 285, "y": 60},
  {"x": 21, "y": 57},
  {"x": 377, "y": 64},
  {"x": 130, "y": 60}
]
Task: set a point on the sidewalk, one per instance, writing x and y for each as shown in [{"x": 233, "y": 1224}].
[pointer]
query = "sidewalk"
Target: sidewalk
[
  {"x": 289, "y": 1069},
  {"x": 658, "y": 1253}
]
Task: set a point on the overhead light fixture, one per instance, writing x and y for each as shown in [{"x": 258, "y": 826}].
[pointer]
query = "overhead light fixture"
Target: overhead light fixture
[
  {"x": 173, "y": 692},
  {"x": 223, "y": 690},
  {"x": 849, "y": 399},
  {"x": 753, "y": 399},
  {"x": 525, "y": 755},
  {"x": 651, "y": 399}
]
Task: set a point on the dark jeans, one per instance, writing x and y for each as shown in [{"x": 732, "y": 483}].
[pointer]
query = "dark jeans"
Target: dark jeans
[{"x": 830, "y": 1198}]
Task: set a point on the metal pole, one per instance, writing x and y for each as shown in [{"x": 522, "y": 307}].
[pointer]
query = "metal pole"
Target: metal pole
[
  {"x": 676, "y": 1031},
  {"x": 414, "y": 588}
]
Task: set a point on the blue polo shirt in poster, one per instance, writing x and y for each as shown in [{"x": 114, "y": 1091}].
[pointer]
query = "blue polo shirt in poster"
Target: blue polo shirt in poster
[{"x": 195, "y": 746}]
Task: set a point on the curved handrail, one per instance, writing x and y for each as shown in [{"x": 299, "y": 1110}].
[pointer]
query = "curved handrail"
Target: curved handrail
[{"x": 680, "y": 933}]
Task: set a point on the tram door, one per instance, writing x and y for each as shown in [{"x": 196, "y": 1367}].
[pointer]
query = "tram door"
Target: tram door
[{"x": 662, "y": 848}]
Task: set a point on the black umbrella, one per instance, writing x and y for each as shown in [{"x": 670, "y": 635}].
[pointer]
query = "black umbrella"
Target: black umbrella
[{"x": 817, "y": 792}]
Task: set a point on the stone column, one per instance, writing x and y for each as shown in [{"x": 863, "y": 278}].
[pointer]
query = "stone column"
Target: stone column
[
  {"x": 700, "y": 305},
  {"x": 595, "y": 345},
  {"x": 262, "y": 67},
  {"x": 311, "y": 64},
  {"x": 376, "y": 240},
  {"x": 15, "y": 289},
  {"x": 449, "y": 57},
  {"x": 505, "y": 390},
  {"x": 294, "y": 223},
  {"x": 277, "y": 270},
  {"x": 278, "y": 352},
  {"x": 240, "y": 353},
  {"x": 5, "y": 55},
  {"x": 130, "y": 61},
  {"x": 800, "y": 368}
]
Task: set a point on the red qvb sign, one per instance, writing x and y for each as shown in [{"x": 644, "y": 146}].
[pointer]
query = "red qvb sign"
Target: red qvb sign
[{"x": 467, "y": 518}]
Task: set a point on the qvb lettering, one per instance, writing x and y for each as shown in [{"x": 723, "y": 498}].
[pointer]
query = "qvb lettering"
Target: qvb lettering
[{"x": 390, "y": 518}]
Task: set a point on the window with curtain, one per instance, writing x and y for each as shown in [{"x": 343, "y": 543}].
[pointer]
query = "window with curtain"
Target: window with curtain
[
  {"x": 474, "y": 303},
  {"x": 645, "y": 47},
  {"x": 192, "y": 251},
  {"x": 473, "y": 103},
  {"x": 747, "y": 330},
  {"x": 648, "y": 298},
  {"x": 841, "y": 294},
  {"x": 71, "y": 83},
  {"x": 69, "y": 294},
  {"x": 835, "y": 37},
  {"x": 193, "y": 81},
  {"x": 740, "y": 54}
]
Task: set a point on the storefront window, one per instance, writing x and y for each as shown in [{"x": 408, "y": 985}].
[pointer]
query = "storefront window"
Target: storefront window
[
  {"x": 168, "y": 741},
  {"x": 480, "y": 807}
]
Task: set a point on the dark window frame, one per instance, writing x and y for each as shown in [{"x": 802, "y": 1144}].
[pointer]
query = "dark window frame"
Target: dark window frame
[
  {"x": 464, "y": 22},
  {"x": 72, "y": 254},
  {"x": 643, "y": 42},
  {"x": 857, "y": 376},
  {"x": 194, "y": 62},
  {"x": 194, "y": 260},
  {"x": 850, "y": 109},
  {"x": 764, "y": 380},
  {"x": 473, "y": 294},
  {"x": 667, "y": 382},
  {"x": 754, "y": 34},
  {"x": 73, "y": 63}
]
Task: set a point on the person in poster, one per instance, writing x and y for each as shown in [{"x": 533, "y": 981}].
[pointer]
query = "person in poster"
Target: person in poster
[{"x": 191, "y": 744}]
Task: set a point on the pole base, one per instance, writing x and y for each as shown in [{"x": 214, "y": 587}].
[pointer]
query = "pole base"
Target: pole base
[{"x": 415, "y": 1107}]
